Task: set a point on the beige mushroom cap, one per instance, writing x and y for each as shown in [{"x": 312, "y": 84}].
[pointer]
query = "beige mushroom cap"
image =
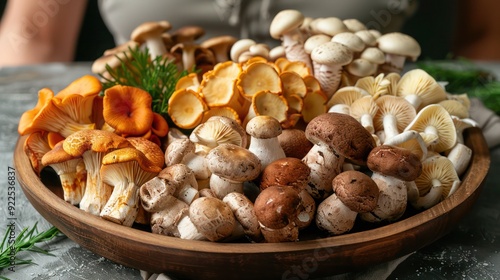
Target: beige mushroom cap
[
  {"x": 395, "y": 162},
  {"x": 354, "y": 25},
  {"x": 235, "y": 162},
  {"x": 150, "y": 28},
  {"x": 212, "y": 218},
  {"x": 399, "y": 44},
  {"x": 332, "y": 53},
  {"x": 217, "y": 130},
  {"x": 285, "y": 21},
  {"x": 263, "y": 127},
  {"x": 433, "y": 120},
  {"x": 374, "y": 55},
  {"x": 361, "y": 67},
  {"x": 314, "y": 41},
  {"x": 343, "y": 134},
  {"x": 356, "y": 190},
  {"x": 367, "y": 37},
  {"x": 351, "y": 40},
  {"x": 329, "y": 26}
]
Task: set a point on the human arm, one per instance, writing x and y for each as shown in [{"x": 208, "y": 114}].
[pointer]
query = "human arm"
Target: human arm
[
  {"x": 40, "y": 31},
  {"x": 477, "y": 31}
]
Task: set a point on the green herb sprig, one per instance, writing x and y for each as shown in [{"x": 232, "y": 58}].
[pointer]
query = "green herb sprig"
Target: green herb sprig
[
  {"x": 158, "y": 77},
  {"x": 26, "y": 240}
]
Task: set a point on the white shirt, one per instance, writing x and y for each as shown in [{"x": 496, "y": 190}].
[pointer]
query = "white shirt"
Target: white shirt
[{"x": 246, "y": 18}]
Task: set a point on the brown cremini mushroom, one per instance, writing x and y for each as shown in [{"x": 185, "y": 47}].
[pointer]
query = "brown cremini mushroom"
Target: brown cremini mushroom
[
  {"x": 277, "y": 208},
  {"x": 392, "y": 167},
  {"x": 336, "y": 137},
  {"x": 355, "y": 192}
]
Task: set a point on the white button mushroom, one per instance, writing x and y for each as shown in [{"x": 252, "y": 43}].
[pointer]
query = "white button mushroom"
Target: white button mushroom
[
  {"x": 286, "y": 27},
  {"x": 264, "y": 131}
]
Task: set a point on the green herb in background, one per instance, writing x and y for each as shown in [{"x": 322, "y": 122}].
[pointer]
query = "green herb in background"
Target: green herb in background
[
  {"x": 464, "y": 76},
  {"x": 26, "y": 240},
  {"x": 157, "y": 77}
]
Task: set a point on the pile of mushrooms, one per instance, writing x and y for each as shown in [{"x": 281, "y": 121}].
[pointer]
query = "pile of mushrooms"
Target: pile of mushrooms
[{"x": 322, "y": 131}]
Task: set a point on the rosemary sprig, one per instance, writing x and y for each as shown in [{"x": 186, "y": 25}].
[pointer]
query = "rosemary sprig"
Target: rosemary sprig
[
  {"x": 157, "y": 77},
  {"x": 26, "y": 240}
]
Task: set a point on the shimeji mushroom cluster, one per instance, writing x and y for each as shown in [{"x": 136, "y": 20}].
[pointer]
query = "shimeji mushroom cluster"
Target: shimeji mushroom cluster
[{"x": 323, "y": 130}]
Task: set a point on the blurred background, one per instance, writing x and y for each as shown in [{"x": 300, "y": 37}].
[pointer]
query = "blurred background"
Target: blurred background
[{"x": 431, "y": 25}]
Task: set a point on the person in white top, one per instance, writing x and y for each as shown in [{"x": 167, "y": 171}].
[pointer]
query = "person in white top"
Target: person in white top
[{"x": 45, "y": 31}]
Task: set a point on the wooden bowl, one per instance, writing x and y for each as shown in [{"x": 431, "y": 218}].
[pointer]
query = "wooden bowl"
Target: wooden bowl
[{"x": 312, "y": 258}]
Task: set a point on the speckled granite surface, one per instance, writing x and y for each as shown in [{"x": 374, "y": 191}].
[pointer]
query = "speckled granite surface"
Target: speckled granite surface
[{"x": 471, "y": 251}]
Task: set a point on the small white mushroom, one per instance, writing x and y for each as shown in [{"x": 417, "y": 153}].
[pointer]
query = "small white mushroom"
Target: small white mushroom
[
  {"x": 398, "y": 47},
  {"x": 264, "y": 131},
  {"x": 330, "y": 57},
  {"x": 286, "y": 27}
]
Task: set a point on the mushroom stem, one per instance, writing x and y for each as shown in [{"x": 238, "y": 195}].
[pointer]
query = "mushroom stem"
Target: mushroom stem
[
  {"x": 431, "y": 198},
  {"x": 460, "y": 156},
  {"x": 187, "y": 230},
  {"x": 293, "y": 43},
  {"x": 433, "y": 132},
  {"x": 72, "y": 188},
  {"x": 267, "y": 150},
  {"x": 334, "y": 216},
  {"x": 156, "y": 47},
  {"x": 97, "y": 192},
  {"x": 366, "y": 121},
  {"x": 390, "y": 124},
  {"x": 454, "y": 187},
  {"x": 393, "y": 63},
  {"x": 329, "y": 77},
  {"x": 123, "y": 204},
  {"x": 221, "y": 186},
  {"x": 414, "y": 100},
  {"x": 406, "y": 136},
  {"x": 325, "y": 164}
]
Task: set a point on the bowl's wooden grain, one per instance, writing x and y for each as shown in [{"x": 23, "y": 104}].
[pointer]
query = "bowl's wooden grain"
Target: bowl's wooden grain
[{"x": 318, "y": 257}]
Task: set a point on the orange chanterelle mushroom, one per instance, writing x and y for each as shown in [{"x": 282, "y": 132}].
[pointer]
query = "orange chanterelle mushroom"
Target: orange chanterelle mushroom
[{"x": 128, "y": 110}]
